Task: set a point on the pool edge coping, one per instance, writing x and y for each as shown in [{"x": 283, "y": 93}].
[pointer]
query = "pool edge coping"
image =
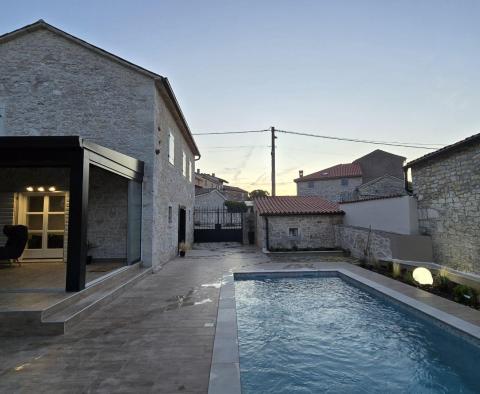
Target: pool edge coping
[{"x": 225, "y": 366}]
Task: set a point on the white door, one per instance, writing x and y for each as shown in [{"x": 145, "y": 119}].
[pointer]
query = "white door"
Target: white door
[{"x": 44, "y": 215}]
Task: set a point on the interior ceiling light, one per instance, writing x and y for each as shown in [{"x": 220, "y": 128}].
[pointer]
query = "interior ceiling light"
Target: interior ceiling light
[
  {"x": 29, "y": 189},
  {"x": 41, "y": 189},
  {"x": 51, "y": 188}
]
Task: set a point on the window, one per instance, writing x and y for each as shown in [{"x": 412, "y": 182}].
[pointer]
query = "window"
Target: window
[
  {"x": 190, "y": 170},
  {"x": 170, "y": 215},
  {"x": 310, "y": 185},
  {"x": 344, "y": 182},
  {"x": 293, "y": 232},
  {"x": 171, "y": 148},
  {"x": 184, "y": 164}
]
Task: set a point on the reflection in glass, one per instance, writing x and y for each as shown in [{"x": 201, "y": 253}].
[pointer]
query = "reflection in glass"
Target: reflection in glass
[
  {"x": 35, "y": 221},
  {"x": 55, "y": 241},
  {"x": 57, "y": 204},
  {"x": 35, "y": 204},
  {"x": 34, "y": 241},
  {"x": 56, "y": 222}
]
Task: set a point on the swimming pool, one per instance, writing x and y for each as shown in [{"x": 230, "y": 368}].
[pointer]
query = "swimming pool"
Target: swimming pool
[{"x": 324, "y": 335}]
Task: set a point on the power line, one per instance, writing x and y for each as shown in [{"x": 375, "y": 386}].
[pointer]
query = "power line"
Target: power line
[
  {"x": 231, "y": 132},
  {"x": 415, "y": 145},
  {"x": 398, "y": 144}
]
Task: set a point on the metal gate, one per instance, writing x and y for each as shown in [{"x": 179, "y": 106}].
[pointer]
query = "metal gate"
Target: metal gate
[{"x": 217, "y": 225}]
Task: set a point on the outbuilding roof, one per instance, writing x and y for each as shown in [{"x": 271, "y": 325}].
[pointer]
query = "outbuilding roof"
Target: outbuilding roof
[
  {"x": 295, "y": 205},
  {"x": 474, "y": 139},
  {"x": 349, "y": 170}
]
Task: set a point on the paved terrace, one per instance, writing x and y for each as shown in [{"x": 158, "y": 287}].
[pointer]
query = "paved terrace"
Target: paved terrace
[{"x": 157, "y": 336}]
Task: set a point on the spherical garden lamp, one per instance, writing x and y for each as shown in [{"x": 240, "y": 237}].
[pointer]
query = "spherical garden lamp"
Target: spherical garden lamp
[{"x": 422, "y": 276}]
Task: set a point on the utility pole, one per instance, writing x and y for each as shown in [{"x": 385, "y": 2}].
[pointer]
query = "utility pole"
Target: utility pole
[{"x": 272, "y": 129}]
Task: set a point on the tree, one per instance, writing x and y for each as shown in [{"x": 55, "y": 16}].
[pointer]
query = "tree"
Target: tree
[{"x": 257, "y": 193}]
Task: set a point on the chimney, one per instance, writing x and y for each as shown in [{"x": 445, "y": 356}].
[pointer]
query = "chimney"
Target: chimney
[
  {"x": 300, "y": 173},
  {"x": 198, "y": 170},
  {"x": 213, "y": 174}
]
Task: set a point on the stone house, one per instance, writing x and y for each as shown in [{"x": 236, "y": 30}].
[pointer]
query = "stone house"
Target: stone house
[
  {"x": 233, "y": 193},
  {"x": 209, "y": 181},
  {"x": 60, "y": 94},
  {"x": 446, "y": 184},
  {"x": 298, "y": 222},
  {"x": 344, "y": 181}
]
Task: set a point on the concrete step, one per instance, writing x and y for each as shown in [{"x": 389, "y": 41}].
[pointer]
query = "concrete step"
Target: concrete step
[
  {"x": 110, "y": 281},
  {"x": 63, "y": 315},
  {"x": 71, "y": 314}
]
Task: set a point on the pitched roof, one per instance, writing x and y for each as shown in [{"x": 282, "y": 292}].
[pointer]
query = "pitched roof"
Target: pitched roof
[
  {"x": 445, "y": 150},
  {"x": 211, "y": 178},
  {"x": 370, "y": 198},
  {"x": 161, "y": 83},
  {"x": 377, "y": 152},
  {"x": 234, "y": 189},
  {"x": 349, "y": 170},
  {"x": 203, "y": 191},
  {"x": 295, "y": 205}
]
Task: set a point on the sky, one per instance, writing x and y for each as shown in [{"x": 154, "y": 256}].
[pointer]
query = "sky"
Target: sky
[{"x": 385, "y": 70}]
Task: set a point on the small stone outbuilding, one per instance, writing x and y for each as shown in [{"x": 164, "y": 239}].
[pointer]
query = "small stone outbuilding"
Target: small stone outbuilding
[{"x": 296, "y": 223}]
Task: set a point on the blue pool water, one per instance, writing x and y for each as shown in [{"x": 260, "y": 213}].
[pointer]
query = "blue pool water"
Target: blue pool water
[{"x": 324, "y": 335}]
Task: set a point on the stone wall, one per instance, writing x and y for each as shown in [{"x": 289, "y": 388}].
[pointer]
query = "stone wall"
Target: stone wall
[
  {"x": 171, "y": 187},
  {"x": 50, "y": 85},
  {"x": 383, "y": 186},
  {"x": 364, "y": 243},
  {"x": 212, "y": 200},
  {"x": 448, "y": 193},
  {"x": 330, "y": 189},
  {"x": 314, "y": 231},
  {"x": 378, "y": 163},
  {"x": 356, "y": 239},
  {"x": 107, "y": 214}
]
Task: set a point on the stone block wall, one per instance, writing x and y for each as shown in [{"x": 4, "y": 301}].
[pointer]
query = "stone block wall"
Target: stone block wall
[
  {"x": 51, "y": 86},
  {"x": 356, "y": 239},
  {"x": 384, "y": 186},
  {"x": 364, "y": 243},
  {"x": 107, "y": 215},
  {"x": 314, "y": 231},
  {"x": 330, "y": 189},
  {"x": 448, "y": 193},
  {"x": 171, "y": 187}
]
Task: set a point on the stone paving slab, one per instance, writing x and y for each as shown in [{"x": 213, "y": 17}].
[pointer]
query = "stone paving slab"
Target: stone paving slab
[{"x": 157, "y": 337}]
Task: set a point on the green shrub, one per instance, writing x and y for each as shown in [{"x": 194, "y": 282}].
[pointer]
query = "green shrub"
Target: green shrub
[
  {"x": 408, "y": 278},
  {"x": 443, "y": 284},
  {"x": 465, "y": 295}
]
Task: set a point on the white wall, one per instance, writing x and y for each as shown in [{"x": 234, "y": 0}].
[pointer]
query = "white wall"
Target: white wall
[{"x": 396, "y": 215}]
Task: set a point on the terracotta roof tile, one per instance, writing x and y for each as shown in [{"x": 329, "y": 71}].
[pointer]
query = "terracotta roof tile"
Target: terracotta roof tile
[
  {"x": 295, "y": 205},
  {"x": 338, "y": 171}
]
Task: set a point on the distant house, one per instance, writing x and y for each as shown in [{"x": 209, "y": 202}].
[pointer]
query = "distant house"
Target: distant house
[
  {"x": 209, "y": 198},
  {"x": 233, "y": 193},
  {"x": 447, "y": 185},
  {"x": 378, "y": 172},
  {"x": 298, "y": 222},
  {"x": 208, "y": 181}
]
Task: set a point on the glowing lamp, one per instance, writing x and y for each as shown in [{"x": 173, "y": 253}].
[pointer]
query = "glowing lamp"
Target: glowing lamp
[
  {"x": 41, "y": 189},
  {"x": 29, "y": 189},
  {"x": 422, "y": 276},
  {"x": 51, "y": 188}
]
